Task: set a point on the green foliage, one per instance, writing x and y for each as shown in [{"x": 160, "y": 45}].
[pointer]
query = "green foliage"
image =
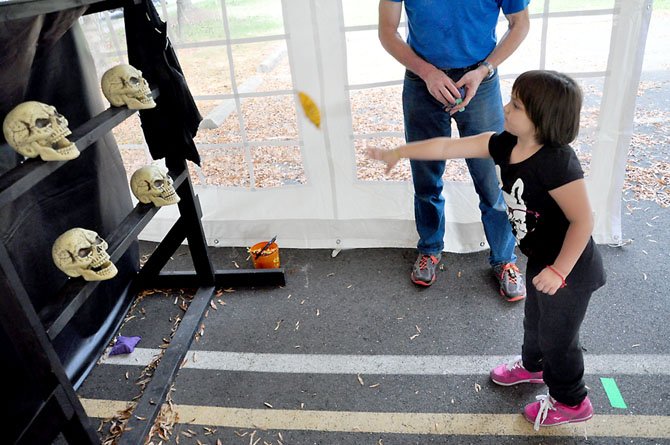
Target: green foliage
[{"x": 247, "y": 18}]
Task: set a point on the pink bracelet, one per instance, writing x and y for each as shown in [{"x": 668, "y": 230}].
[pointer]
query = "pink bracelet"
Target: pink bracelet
[{"x": 563, "y": 284}]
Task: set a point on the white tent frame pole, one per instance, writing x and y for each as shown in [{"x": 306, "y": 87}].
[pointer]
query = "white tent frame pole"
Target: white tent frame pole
[{"x": 615, "y": 124}]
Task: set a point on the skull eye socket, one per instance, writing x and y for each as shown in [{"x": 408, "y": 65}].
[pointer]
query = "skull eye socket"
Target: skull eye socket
[
  {"x": 84, "y": 252},
  {"x": 42, "y": 122},
  {"x": 134, "y": 81},
  {"x": 158, "y": 183}
]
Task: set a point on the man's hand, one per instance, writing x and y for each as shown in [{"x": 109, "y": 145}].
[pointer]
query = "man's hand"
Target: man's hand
[
  {"x": 441, "y": 87},
  {"x": 470, "y": 81},
  {"x": 390, "y": 157}
]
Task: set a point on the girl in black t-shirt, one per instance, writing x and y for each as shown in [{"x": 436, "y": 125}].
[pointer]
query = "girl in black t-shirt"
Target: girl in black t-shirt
[{"x": 548, "y": 207}]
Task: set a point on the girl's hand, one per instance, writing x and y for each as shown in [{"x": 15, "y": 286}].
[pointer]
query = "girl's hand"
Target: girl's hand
[
  {"x": 390, "y": 157},
  {"x": 548, "y": 281}
]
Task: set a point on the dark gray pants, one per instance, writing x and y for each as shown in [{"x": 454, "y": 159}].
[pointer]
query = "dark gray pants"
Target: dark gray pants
[{"x": 551, "y": 339}]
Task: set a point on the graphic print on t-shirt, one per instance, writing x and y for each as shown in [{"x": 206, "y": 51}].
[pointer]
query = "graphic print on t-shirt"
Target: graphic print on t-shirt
[
  {"x": 516, "y": 209},
  {"x": 522, "y": 219}
]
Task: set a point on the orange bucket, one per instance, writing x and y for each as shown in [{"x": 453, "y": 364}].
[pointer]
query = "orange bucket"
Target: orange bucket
[{"x": 268, "y": 259}]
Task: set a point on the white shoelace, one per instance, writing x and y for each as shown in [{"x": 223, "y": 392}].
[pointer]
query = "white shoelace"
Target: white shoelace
[
  {"x": 514, "y": 363},
  {"x": 546, "y": 404}
]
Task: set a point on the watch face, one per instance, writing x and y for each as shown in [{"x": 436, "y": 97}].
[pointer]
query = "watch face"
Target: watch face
[{"x": 490, "y": 68}]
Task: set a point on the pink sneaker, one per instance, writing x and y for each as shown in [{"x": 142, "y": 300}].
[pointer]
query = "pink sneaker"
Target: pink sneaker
[
  {"x": 513, "y": 373},
  {"x": 548, "y": 412}
]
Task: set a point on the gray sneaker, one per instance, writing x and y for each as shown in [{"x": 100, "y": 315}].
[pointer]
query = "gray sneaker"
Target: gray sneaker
[
  {"x": 423, "y": 272},
  {"x": 510, "y": 279}
]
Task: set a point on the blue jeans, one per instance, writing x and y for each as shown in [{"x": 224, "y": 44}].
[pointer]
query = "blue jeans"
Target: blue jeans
[{"x": 425, "y": 118}]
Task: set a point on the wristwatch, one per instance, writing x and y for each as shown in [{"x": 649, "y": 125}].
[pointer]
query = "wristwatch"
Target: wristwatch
[{"x": 489, "y": 67}]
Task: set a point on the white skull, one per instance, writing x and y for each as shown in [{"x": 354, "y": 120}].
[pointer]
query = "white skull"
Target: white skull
[
  {"x": 152, "y": 183},
  {"x": 124, "y": 85},
  {"x": 80, "y": 252},
  {"x": 36, "y": 129}
]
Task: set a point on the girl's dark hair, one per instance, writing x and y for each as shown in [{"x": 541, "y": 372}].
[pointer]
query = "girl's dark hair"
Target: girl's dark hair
[{"x": 553, "y": 102}]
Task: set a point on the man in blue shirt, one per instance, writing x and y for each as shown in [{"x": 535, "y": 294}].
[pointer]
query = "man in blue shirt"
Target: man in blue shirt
[{"x": 452, "y": 45}]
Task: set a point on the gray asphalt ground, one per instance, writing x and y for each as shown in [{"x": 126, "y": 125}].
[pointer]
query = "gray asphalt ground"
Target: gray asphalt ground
[{"x": 367, "y": 306}]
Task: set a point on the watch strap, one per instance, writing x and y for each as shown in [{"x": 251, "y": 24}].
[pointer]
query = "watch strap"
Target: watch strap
[{"x": 489, "y": 67}]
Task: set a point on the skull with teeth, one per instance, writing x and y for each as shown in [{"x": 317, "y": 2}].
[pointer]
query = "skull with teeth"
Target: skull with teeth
[
  {"x": 152, "y": 183},
  {"x": 124, "y": 85},
  {"x": 36, "y": 129},
  {"x": 82, "y": 253}
]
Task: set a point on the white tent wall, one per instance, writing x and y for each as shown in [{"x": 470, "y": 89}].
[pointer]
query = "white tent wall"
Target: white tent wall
[
  {"x": 629, "y": 36},
  {"x": 335, "y": 210}
]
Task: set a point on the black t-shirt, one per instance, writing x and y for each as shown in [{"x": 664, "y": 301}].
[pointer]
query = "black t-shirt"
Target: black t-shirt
[{"x": 537, "y": 221}]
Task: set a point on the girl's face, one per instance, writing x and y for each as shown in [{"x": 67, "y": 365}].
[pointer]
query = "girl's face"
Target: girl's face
[{"x": 517, "y": 121}]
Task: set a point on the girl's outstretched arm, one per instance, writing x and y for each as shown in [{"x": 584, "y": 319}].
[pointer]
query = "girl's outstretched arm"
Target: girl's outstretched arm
[
  {"x": 435, "y": 149},
  {"x": 573, "y": 200}
]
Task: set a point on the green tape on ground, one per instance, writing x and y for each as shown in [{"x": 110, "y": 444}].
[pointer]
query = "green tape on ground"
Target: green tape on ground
[{"x": 613, "y": 393}]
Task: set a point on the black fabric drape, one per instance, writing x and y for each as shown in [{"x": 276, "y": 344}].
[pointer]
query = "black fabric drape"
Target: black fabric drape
[
  {"x": 45, "y": 58},
  {"x": 169, "y": 128}
]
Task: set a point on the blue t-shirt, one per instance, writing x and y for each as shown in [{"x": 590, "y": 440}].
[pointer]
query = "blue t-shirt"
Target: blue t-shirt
[{"x": 455, "y": 33}]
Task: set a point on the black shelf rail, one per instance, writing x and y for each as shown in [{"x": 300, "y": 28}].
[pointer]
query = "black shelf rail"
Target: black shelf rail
[
  {"x": 60, "y": 404},
  {"x": 32, "y": 333},
  {"x": 21, "y": 9},
  {"x": 21, "y": 178},
  {"x": 72, "y": 296},
  {"x": 205, "y": 279}
]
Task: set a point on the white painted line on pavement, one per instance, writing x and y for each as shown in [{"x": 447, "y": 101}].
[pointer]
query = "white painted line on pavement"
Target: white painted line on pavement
[{"x": 642, "y": 364}]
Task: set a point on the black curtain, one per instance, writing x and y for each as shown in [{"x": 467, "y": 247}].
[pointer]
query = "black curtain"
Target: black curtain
[{"x": 46, "y": 59}]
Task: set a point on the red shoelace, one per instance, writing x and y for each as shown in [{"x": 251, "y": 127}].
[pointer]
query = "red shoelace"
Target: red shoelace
[
  {"x": 511, "y": 269},
  {"x": 423, "y": 263}
]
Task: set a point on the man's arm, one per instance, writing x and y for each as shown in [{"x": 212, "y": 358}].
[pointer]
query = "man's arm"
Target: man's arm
[
  {"x": 439, "y": 85},
  {"x": 517, "y": 30}
]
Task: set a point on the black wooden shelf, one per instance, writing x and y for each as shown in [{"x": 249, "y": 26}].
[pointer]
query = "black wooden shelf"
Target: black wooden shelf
[
  {"x": 24, "y": 176},
  {"x": 58, "y": 409},
  {"x": 22, "y": 9},
  {"x": 76, "y": 291}
]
